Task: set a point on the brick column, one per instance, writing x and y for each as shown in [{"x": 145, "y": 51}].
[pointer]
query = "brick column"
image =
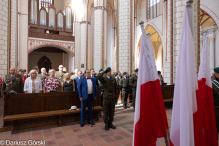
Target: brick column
[
  {"x": 125, "y": 28},
  {"x": 100, "y": 29},
  {"x": 3, "y": 37}
]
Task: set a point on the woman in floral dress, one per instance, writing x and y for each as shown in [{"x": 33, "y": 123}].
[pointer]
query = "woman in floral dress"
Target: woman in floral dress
[{"x": 51, "y": 83}]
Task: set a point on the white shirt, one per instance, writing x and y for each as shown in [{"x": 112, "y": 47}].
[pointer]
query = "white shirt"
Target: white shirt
[
  {"x": 28, "y": 85},
  {"x": 89, "y": 86}
]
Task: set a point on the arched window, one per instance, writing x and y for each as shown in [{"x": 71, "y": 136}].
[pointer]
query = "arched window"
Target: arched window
[
  {"x": 52, "y": 17},
  {"x": 68, "y": 15},
  {"x": 43, "y": 17},
  {"x": 60, "y": 20},
  {"x": 45, "y": 4},
  {"x": 33, "y": 12}
]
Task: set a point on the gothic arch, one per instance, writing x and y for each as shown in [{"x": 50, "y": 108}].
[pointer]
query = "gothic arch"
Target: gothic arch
[{"x": 211, "y": 14}]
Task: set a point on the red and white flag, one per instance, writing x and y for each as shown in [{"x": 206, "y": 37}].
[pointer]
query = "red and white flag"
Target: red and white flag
[
  {"x": 205, "y": 99},
  {"x": 184, "y": 102},
  {"x": 150, "y": 120}
]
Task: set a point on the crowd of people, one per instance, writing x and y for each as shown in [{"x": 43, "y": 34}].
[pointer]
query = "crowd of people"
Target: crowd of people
[{"x": 111, "y": 85}]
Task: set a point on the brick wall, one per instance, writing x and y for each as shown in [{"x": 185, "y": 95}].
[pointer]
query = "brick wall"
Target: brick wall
[{"x": 3, "y": 36}]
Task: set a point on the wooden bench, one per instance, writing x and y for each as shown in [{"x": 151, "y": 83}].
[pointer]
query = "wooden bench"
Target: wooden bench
[
  {"x": 30, "y": 108},
  {"x": 168, "y": 100},
  {"x": 59, "y": 113},
  {"x": 167, "y": 92}
]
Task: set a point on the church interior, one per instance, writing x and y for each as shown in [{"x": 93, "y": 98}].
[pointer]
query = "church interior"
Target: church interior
[{"x": 91, "y": 35}]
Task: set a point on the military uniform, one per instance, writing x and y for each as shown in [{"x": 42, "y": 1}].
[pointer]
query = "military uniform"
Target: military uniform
[
  {"x": 118, "y": 87},
  {"x": 74, "y": 76},
  {"x": 42, "y": 76},
  {"x": 124, "y": 83},
  {"x": 215, "y": 87},
  {"x": 133, "y": 82},
  {"x": 60, "y": 76},
  {"x": 110, "y": 90},
  {"x": 14, "y": 83}
]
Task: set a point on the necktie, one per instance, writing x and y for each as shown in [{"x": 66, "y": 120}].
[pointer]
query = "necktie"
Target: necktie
[{"x": 88, "y": 78}]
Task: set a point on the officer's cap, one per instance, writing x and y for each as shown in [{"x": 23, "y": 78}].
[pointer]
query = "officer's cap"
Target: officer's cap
[
  {"x": 216, "y": 70},
  {"x": 100, "y": 70},
  {"x": 136, "y": 70},
  {"x": 116, "y": 74},
  {"x": 124, "y": 73}
]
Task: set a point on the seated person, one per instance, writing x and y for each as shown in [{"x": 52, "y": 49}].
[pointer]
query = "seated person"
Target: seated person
[
  {"x": 51, "y": 83},
  {"x": 33, "y": 83}
]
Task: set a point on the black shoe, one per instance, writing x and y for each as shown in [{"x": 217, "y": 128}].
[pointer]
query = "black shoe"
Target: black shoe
[
  {"x": 112, "y": 126},
  {"x": 127, "y": 106},
  {"x": 106, "y": 127},
  {"x": 82, "y": 124},
  {"x": 91, "y": 122},
  {"x": 124, "y": 106}
]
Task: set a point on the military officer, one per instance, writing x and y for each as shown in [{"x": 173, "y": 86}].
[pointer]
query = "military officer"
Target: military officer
[
  {"x": 43, "y": 74},
  {"x": 118, "y": 78},
  {"x": 110, "y": 90},
  {"x": 101, "y": 88},
  {"x": 124, "y": 83},
  {"x": 13, "y": 82},
  {"x": 215, "y": 87},
  {"x": 75, "y": 75},
  {"x": 133, "y": 83},
  {"x": 60, "y": 74}
]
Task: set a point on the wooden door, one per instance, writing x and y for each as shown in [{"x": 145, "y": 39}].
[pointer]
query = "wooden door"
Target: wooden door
[{"x": 45, "y": 62}]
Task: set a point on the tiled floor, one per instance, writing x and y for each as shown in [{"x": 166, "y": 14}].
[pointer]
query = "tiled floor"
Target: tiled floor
[{"x": 74, "y": 135}]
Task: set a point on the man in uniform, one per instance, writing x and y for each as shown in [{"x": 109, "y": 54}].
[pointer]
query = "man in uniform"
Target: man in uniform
[
  {"x": 110, "y": 90},
  {"x": 43, "y": 74},
  {"x": 133, "y": 83},
  {"x": 215, "y": 87},
  {"x": 60, "y": 74},
  {"x": 124, "y": 83},
  {"x": 75, "y": 75},
  {"x": 118, "y": 78},
  {"x": 101, "y": 87},
  {"x": 13, "y": 82}
]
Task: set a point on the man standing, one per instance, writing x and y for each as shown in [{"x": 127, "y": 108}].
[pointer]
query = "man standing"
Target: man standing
[
  {"x": 60, "y": 74},
  {"x": 118, "y": 78},
  {"x": 101, "y": 88},
  {"x": 133, "y": 82},
  {"x": 75, "y": 75},
  {"x": 43, "y": 74},
  {"x": 13, "y": 82},
  {"x": 124, "y": 83},
  {"x": 87, "y": 94},
  {"x": 94, "y": 77},
  {"x": 215, "y": 87},
  {"x": 37, "y": 69},
  {"x": 77, "y": 79},
  {"x": 110, "y": 91}
]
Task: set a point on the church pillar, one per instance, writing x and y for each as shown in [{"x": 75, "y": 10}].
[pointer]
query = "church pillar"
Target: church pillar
[
  {"x": 211, "y": 37},
  {"x": 84, "y": 37},
  {"x": 100, "y": 29}
]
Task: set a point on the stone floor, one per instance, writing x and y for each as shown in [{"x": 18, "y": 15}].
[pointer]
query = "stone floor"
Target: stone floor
[{"x": 74, "y": 135}]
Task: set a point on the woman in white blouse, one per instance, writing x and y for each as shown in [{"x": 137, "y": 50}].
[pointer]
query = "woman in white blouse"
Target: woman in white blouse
[{"x": 33, "y": 83}]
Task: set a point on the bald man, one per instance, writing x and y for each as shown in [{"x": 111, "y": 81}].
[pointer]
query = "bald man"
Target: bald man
[{"x": 12, "y": 81}]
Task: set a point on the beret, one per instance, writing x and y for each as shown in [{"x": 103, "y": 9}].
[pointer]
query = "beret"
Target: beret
[
  {"x": 124, "y": 73},
  {"x": 100, "y": 70},
  {"x": 216, "y": 70},
  {"x": 116, "y": 74},
  {"x": 136, "y": 70},
  {"x": 108, "y": 68}
]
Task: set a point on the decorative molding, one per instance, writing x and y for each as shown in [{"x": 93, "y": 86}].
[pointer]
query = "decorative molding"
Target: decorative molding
[
  {"x": 100, "y": 8},
  {"x": 85, "y": 22},
  {"x": 109, "y": 9},
  {"x": 35, "y": 43}
]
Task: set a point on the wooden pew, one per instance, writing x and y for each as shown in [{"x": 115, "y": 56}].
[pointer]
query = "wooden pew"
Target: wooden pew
[
  {"x": 167, "y": 92},
  {"x": 24, "y": 108}
]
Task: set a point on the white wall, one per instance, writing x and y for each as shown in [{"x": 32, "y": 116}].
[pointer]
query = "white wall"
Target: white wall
[
  {"x": 59, "y": 5},
  {"x": 159, "y": 59},
  {"x": 217, "y": 48},
  {"x": 55, "y": 58}
]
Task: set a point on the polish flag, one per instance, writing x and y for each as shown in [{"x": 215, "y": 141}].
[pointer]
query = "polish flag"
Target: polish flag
[
  {"x": 150, "y": 120},
  {"x": 186, "y": 85},
  {"x": 205, "y": 98}
]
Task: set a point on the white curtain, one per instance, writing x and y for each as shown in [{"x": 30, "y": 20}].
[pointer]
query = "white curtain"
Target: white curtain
[
  {"x": 43, "y": 17},
  {"x": 60, "y": 20},
  {"x": 33, "y": 13},
  {"x": 68, "y": 18},
  {"x": 51, "y": 17}
]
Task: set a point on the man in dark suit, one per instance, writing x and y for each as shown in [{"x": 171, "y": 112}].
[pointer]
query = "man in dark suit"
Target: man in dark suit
[
  {"x": 77, "y": 79},
  {"x": 87, "y": 93},
  {"x": 94, "y": 76}
]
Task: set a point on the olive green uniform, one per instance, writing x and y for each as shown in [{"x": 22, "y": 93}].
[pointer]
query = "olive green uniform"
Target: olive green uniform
[
  {"x": 118, "y": 87},
  {"x": 60, "y": 76},
  {"x": 42, "y": 76},
  {"x": 215, "y": 88},
  {"x": 110, "y": 90},
  {"x": 14, "y": 83},
  {"x": 124, "y": 83},
  {"x": 74, "y": 76},
  {"x": 133, "y": 83}
]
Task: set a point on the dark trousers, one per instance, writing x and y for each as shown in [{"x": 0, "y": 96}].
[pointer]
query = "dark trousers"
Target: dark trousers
[
  {"x": 88, "y": 102},
  {"x": 108, "y": 110}
]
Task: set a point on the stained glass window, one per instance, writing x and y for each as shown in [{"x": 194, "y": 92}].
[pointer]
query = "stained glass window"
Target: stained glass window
[{"x": 45, "y": 4}]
